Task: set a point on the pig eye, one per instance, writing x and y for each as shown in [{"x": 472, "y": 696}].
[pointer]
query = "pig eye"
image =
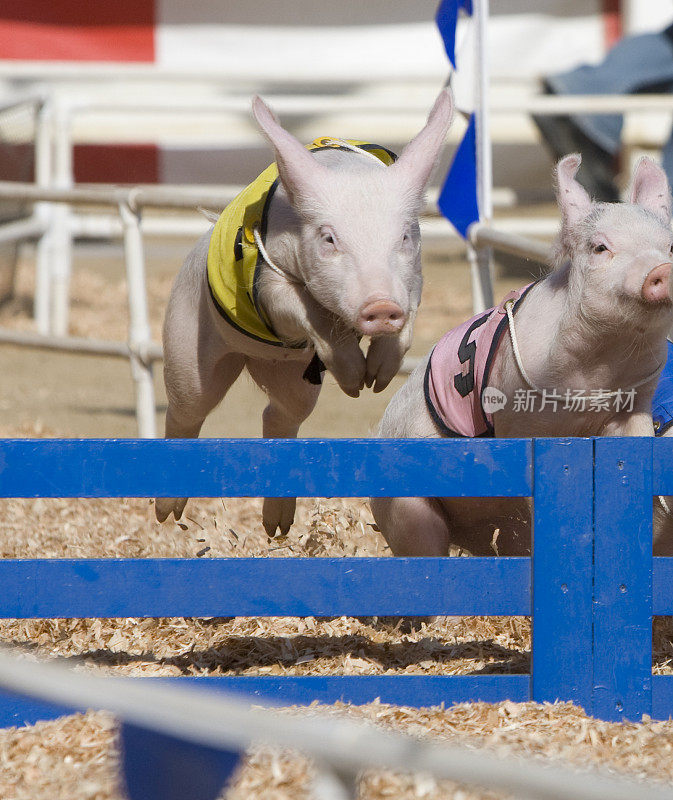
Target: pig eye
[
  {"x": 599, "y": 248},
  {"x": 328, "y": 238}
]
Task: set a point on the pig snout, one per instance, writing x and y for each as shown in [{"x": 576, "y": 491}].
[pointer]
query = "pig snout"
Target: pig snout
[
  {"x": 378, "y": 317},
  {"x": 656, "y": 286}
]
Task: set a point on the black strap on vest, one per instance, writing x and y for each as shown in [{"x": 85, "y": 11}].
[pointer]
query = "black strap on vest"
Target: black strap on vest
[{"x": 313, "y": 373}]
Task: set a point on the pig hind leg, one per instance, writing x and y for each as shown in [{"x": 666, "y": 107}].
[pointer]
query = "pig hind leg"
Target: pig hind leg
[
  {"x": 198, "y": 394},
  {"x": 412, "y": 526},
  {"x": 291, "y": 400}
]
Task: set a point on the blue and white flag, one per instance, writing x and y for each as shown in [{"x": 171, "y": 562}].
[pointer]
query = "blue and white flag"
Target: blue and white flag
[
  {"x": 447, "y": 19},
  {"x": 458, "y": 200}
]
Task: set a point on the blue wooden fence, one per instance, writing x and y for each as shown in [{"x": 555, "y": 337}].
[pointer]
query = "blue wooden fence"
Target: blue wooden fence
[{"x": 591, "y": 587}]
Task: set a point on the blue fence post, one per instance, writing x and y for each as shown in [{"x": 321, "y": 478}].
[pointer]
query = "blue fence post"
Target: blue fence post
[
  {"x": 622, "y": 578},
  {"x": 561, "y": 666}
]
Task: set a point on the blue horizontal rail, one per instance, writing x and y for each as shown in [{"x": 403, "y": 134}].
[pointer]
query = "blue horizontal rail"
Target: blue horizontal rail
[
  {"x": 265, "y": 467},
  {"x": 405, "y": 690},
  {"x": 259, "y": 587}
]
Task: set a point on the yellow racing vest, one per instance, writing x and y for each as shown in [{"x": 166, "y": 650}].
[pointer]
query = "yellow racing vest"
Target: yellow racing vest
[{"x": 233, "y": 255}]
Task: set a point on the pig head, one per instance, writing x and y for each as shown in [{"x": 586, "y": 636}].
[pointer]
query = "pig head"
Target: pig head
[
  {"x": 599, "y": 321},
  {"x": 346, "y": 229}
]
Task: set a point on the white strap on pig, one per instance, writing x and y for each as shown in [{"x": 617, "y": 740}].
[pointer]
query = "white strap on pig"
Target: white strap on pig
[
  {"x": 342, "y": 143},
  {"x": 354, "y": 148},
  {"x": 267, "y": 258},
  {"x": 517, "y": 357}
]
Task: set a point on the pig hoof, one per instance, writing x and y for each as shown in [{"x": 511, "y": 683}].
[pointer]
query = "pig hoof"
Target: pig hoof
[
  {"x": 278, "y": 513},
  {"x": 384, "y": 359},
  {"x": 381, "y": 384},
  {"x": 382, "y": 377},
  {"x": 163, "y": 506}
]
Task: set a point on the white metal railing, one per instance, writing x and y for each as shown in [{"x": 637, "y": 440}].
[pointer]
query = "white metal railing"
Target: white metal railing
[
  {"x": 244, "y": 72},
  {"x": 55, "y": 250},
  {"x": 56, "y": 226},
  {"x": 19, "y": 116},
  {"x": 482, "y": 235}
]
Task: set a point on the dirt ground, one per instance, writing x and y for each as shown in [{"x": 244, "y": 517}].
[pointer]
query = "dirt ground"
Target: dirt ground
[{"x": 46, "y": 394}]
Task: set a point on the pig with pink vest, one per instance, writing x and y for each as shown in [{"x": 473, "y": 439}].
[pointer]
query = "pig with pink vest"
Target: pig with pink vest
[
  {"x": 576, "y": 354},
  {"x": 339, "y": 259}
]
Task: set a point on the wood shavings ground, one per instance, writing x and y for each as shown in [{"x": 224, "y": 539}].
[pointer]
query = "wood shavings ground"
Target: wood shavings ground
[{"x": 77, "y": 757}]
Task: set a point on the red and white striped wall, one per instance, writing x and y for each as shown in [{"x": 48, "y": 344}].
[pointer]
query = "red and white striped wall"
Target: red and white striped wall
[{"x": 293, "y": 38}]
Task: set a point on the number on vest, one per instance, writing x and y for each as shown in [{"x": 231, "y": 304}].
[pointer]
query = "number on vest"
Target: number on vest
[{"x": 466, "y": 352}]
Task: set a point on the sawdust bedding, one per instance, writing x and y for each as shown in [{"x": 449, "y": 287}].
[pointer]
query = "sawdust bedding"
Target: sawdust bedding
[{"x": 75, "y": 757}]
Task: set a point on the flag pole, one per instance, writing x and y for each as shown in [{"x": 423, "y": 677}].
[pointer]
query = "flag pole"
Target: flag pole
[{"x": 481, "y": 258}]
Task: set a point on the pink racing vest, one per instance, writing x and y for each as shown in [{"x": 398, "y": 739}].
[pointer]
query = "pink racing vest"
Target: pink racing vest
[{"x": 459, "y": 367}]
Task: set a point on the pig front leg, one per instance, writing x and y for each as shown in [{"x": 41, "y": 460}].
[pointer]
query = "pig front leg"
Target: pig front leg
[
  {"x": 412, "y": 526},
  {"x": 342, "y": 356},
  {"x": 291, "y": 400},
  {"x": 384, "y": 356},
  {"x": 337, "y": 347},
  {"x": 296, "y": 316}
]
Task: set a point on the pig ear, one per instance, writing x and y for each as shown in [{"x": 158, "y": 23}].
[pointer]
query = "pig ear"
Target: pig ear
[
  {"x": 297, "y": 169},
  {"x": 573, "y": 200},
  {"x": 650, "y": 189},
  {"x": 420, "y": 155}
]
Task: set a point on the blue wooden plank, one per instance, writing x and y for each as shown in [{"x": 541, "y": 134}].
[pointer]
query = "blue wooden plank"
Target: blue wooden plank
[
  {"x": 663, "y": 465},
  {"x": 49, "y": 588},
  {"x": 418, "y": 691},
  {"x": 662, "y": 586},
  {"x": 662, "y": 696},
  {"x": 561, "y": 571},
  {"x": 17, "y": 710},
  {"x": 264, "y": 467},
  {"x": 156, "y": 766},
  {"x": 623, "y": 578}
]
